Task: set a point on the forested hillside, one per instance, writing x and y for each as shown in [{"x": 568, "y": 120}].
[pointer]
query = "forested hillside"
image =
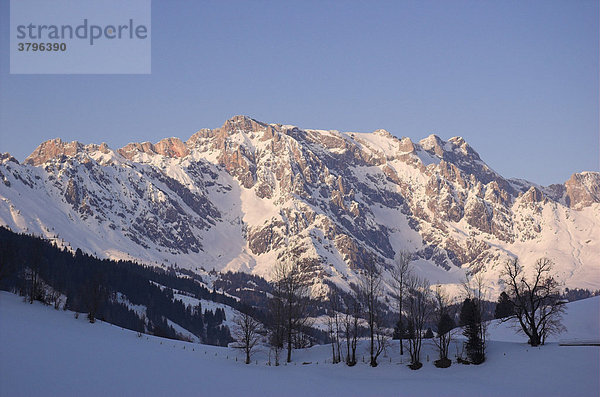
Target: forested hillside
[{"x": 124, "y": 293}]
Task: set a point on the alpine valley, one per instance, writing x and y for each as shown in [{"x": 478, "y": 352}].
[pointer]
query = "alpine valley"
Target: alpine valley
[{"x": 248, "y": 194}]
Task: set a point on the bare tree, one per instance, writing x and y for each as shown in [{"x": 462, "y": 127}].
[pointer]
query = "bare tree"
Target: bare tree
[
  {"x": 54, "y": 298},
  {"x": 382, "y": 336},
  {"x": 246, "y": 333},
  {"x": 418, "y": 308},
  {"x": 400, "y": 273},
  {"x": 370, "y": 287},
  {"x": 334, "y": 325},
  {"x": 292, "y": 282},
  {"x": 351, "y": 324},
  {"x": 276, "y": 324},
  {"x": 536, "y": 300},
  {"x": 445, "y": 325}
]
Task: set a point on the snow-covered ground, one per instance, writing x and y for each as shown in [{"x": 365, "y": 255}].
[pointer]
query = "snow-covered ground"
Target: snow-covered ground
[{"x": 44, "y": 352}]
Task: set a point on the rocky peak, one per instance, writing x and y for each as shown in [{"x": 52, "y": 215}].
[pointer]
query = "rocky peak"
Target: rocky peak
[
  {"x": 383, "y": 133},
  {"x": 168, "y": 147},
  {"x": 459, "y": 144},
  {"x": 242, "y": 123},
  {"x": 6, "y": 157},
  {"x": 458, "y": 152},
  {"x": 433, "y": 144},
  {"x": 406, "y": 145},
  {"x": 582, "y": 189},
  {"x": 533, "y": 195},
  {"x": 53, "y": 148},
  {"x": 171, "y": 147},
  {"x": 131, "y": 149},
  {"x": 456, "y": 147},
  {"x": 495, "y": 194},
  {"x": 103, "y": 147},
  {"x": 198, "y": 136}
]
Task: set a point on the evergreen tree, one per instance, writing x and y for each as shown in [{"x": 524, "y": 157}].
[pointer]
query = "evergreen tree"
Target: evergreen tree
[
  {"x": 504, "y": 307},
  {"x": 428, "y": 334},
  {"x": 470, "y": 318}
]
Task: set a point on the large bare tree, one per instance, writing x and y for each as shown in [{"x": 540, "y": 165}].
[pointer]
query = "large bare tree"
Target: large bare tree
[
  {"x": 276, "y": 323},
  {"x": 536, "y": 299},
  {"x": 418, "y": 308},
  {"x": 351, "y": 326},
  {"x": 246, "y": 333},
  {"x": 291, "y": 288},
  {"x": 371, "y": 288},
  {"x": 400, "y": 272},
  {"x": 334, "y": 325}
]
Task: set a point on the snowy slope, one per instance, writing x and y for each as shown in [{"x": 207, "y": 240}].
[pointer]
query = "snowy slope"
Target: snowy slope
[{"x": 48, "y": 352}]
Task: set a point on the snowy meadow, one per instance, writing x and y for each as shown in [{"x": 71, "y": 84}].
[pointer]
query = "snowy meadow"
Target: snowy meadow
[{"x": 51, "y": 353}]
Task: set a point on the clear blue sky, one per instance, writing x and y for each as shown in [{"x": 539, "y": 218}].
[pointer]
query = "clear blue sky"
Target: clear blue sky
[{"x": 517, "y": 79}]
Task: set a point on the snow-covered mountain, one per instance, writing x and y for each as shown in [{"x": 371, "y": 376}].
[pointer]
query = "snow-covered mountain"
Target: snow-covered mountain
[{"x": 248, "y": 194}]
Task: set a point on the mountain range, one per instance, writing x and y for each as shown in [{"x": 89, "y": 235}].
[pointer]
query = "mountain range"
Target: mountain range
[{"x": 248, "y": 194}]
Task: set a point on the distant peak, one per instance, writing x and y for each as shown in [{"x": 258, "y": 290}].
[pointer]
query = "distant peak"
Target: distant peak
[
  {"x": 459, "y": 143},
  {"x": 168, "y": 147},
  {"x": 433, "y": 143},
  {"x": 171, "y": 147},
  {"x": 532, "y": 195},
  {"x": 51, "y": 149},
  {"x": 5, "y": 157},
  {"x": 457, "y": 140},
  {"x": 432, "y": 139},
  {"x": 406, "y": 145},
  {"x": 383, "y": 133},
  {"x": 583, "y": 189},
  {"x": 243, "y": 123},
  {"x": 239, "y": 118}
]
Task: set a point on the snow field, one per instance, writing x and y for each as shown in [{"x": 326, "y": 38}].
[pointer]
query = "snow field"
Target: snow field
[{"x": 50, "y": 353}]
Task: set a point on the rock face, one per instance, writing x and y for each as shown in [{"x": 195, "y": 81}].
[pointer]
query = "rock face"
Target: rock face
[
  {"x": 582, "y": 190},
  {"x": 168, "y": 147},
  {"x": 247, "y": 194},
  {"x": 52, "y": 149}
]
